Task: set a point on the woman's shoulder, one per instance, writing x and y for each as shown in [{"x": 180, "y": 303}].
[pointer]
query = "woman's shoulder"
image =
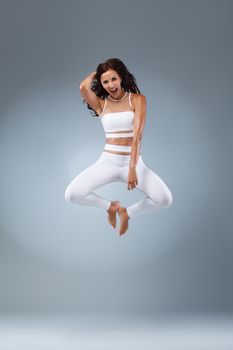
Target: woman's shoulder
[
  {"x": 137, "y": 95},
  {"x": 137, "y": 98}
]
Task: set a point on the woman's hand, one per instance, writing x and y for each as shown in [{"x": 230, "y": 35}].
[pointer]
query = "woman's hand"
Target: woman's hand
[{"x": 132, "y": 178}]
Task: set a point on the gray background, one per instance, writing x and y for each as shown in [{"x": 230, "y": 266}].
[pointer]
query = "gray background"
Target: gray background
[{"x": 57, "y": 257}]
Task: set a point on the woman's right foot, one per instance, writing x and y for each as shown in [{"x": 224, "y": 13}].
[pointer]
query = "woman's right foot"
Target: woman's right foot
[
  {"x": 115, "y": 205},
  {"x": 124, "y": 218}
]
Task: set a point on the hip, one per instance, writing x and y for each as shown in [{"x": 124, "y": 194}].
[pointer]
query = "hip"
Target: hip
[{"x": 120, "y": 160}]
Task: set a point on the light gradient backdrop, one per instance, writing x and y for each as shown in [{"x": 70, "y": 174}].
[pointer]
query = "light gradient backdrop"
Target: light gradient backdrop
[{"x": 58, "y": 257}]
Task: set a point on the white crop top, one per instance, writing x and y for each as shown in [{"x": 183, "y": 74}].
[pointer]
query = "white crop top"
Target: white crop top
[
  {"x": 121, "y": 119},
  {"x": 118, "y": 120}
]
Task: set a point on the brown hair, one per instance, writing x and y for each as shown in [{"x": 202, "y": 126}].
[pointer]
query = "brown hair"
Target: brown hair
[{"x": 128, "y": 80}]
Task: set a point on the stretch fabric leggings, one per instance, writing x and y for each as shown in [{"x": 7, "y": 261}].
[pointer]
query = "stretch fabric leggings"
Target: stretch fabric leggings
[{"x": 111, "y": 167}]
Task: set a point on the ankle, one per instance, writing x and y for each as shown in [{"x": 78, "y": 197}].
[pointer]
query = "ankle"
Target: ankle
[{"x": 113, "y": 206}]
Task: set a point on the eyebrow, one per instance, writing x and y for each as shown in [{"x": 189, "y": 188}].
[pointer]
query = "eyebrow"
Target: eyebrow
[{"x": 106, "y": 80}]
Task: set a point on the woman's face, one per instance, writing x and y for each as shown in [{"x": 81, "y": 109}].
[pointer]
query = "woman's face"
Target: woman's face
[{"x": 111, "y": 82}]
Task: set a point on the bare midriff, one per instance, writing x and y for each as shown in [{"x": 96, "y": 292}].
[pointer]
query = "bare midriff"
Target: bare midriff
[{"x": 120, "y": 141}]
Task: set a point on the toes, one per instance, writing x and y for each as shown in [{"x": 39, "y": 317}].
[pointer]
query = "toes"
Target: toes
[
  {"x": 122, "y": 232},
  {"x": 112, "y": 223},
  {"x": 124, "y": 224},
  {"x": 112, "y": 220}
]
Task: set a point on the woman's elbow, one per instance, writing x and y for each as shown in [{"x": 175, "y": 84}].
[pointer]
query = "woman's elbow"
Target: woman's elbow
[{"x": 137, "y": 138}]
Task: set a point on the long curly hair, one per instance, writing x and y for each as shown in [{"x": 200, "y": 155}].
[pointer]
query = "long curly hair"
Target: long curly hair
[{"x": 128, "y": 80}]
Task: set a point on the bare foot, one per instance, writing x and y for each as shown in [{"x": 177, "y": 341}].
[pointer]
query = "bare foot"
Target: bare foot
[
  {"x": 115, "y": 205},
  {"x": 124, "y": 218}
]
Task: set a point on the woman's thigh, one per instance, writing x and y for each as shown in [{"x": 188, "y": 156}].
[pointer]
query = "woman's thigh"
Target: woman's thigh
[
  {"x": 149, "y": 183},
  {"x": 94, "y": 176}
]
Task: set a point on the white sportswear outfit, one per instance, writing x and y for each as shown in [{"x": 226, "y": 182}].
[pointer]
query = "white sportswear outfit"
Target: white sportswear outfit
[{"x": 111, "y": 167}]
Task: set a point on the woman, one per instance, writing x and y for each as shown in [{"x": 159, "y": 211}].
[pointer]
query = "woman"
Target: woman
[{"x": 111, "y": 93}]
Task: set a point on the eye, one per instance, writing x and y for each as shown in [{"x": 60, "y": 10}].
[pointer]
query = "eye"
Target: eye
[{"x": 105, "y": 81}]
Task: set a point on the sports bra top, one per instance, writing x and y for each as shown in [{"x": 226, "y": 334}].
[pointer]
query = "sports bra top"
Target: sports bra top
[
  {"x": 117, "y": 119},
  {"x": 121, "y": 116}
]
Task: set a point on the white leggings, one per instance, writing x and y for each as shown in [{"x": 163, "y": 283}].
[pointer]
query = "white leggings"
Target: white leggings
[{"x": 111, "y": 167}]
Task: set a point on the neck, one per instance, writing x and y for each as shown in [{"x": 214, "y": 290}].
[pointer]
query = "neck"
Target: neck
[{"x": 119, "y": 99}]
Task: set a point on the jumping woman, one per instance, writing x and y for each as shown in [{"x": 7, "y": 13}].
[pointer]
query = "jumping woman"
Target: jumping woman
[{"x": 111, "y": 93}]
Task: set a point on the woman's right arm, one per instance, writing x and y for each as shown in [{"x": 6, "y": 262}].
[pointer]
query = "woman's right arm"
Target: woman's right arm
[
  {"x": 85, "y": 83},
  {"x": 88, "y": 94}
]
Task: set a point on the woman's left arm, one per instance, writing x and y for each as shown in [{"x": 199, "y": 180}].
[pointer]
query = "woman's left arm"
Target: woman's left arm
[{"x": 138, "y": 127}]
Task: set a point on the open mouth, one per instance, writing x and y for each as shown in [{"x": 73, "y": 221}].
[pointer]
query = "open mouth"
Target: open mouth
[{"x": 115, "y": 90}]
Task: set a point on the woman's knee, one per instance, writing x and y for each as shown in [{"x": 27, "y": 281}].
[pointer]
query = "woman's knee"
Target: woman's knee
[
  {"x": 73, "y": 195},
  {"x": 164, "y": 200},
  {"x": 167, "y": 199},
  {"x": 68, "y": 194}
]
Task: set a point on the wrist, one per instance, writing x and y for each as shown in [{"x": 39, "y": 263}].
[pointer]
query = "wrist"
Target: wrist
[{"x": 92, "y": 75}]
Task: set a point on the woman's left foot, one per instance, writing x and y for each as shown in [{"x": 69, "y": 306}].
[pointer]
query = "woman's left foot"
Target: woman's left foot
[
  {"x": 115, "y": 205},
  {"x": 124, "y": 218}
]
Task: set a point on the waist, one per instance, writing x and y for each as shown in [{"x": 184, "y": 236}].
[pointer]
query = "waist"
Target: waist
[
  {"x": 122, "y": 141},
  {"x": 121, "y": 137},
  {"x": 116, "y": 134},
  {"x": 118, "y": 159},
  {"x": 120, "y": 149},
  {"x": 119, "y": 141}
]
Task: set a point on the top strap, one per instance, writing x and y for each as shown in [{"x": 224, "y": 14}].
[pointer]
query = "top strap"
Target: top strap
[
  {"x": 130, "y": 100},
  {"x": 105, "y": 102}
]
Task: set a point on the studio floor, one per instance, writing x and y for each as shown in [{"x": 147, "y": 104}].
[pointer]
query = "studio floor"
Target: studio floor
[{"x": 103, "y": 332}]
